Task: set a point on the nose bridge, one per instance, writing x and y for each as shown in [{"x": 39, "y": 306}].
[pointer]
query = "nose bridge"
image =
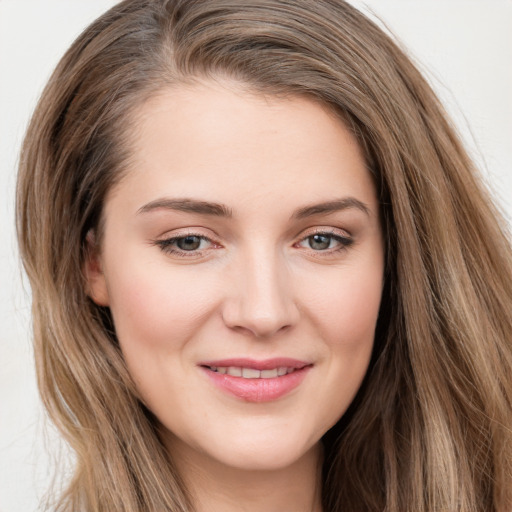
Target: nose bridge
[{"x": 263, "y": 302}]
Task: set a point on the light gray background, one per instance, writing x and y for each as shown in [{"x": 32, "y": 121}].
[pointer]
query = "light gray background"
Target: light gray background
[{"x": 464, "y": 47}]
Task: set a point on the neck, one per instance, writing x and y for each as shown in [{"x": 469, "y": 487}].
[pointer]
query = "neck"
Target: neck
[{"x": 218, "y": 488}]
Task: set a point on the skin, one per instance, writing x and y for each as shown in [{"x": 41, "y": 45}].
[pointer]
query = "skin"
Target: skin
[{"x": 257, "y": 286}]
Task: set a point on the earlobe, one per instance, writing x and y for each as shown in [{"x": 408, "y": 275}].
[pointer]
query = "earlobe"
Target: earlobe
[{"x": 93, "y": 270}]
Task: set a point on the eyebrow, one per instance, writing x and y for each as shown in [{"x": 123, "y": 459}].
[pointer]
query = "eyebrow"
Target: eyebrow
[
  {"x": 336, "y": 205},
  {"x": 188, "y": 205},
  {"x": 220, "y": 210}
]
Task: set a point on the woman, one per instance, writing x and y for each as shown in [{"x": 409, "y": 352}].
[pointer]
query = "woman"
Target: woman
[{"x": 279, "y": 284}]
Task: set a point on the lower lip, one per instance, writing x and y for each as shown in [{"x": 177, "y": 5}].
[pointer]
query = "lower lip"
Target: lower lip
[{"x": 258, "y": 390}]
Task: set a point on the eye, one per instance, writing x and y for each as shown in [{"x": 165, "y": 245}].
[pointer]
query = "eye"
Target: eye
[
  {"x": 186, "y": 245},
  {"x": 189, "y": 243},
  {"x": 329, "y": 242},
  {"x": 320, "y": 242}
]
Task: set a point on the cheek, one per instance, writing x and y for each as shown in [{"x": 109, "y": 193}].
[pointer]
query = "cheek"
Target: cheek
[
  {"x": 345, "y": 309},
  {"x": 352, "y": 335},
  {"x": 347, "y": 315},
  {"x": 158, "y": 307},
  {"x": 157, "y": 310},
  {"x": 358, "y": 305}
]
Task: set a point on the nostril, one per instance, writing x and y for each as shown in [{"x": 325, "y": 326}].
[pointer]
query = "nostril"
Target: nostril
[{"x": 260, "y": 330}]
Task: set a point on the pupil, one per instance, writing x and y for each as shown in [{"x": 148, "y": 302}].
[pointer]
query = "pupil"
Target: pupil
[
  {"x": 189, "y": 243},
  {"x": 319, "y": 242}
]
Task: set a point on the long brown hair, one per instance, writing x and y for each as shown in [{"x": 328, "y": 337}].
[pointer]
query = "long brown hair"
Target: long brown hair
[{"x": 430, "y": 429}]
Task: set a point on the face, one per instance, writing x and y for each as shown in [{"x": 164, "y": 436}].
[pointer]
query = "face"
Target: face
[{"x": 242, "y": 261}]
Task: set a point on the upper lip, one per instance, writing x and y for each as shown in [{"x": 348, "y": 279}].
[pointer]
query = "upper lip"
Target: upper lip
[{"x": 265, "y": 364}]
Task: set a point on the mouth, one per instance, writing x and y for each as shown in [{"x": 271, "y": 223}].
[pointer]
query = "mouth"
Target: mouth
[
  {"x": 257, "y": 381},
  {"x": 252, "y": 373}
]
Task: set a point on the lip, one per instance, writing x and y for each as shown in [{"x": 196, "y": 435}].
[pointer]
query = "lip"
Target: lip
[
  {"x": 257, "y": 390},
  {"x": 265, "y": 364}
]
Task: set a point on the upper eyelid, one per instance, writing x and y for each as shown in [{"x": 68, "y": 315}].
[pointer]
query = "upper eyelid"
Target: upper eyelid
[
  {"x": 189, "y": 231},
  {"x": 331, "y": 230}
]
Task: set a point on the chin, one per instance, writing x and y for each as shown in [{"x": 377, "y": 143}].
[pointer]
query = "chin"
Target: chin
[{"x": 262, "y": 454}]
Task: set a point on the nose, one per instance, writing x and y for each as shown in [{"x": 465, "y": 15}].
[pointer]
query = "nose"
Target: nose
[{"x": 260, "y": 302}]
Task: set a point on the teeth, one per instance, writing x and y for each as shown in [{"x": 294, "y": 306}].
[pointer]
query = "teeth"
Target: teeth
[
  {"x": 234, "y": 371},
  {"x": 251, "y": 373}
]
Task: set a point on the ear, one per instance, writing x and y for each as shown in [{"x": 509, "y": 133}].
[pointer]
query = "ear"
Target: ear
[{"x": 93, "y": 270}]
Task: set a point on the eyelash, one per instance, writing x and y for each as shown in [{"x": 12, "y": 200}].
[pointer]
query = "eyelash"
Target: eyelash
[
  {"x": 344, "y": 241},
  {"x": 167, "y": 245}
]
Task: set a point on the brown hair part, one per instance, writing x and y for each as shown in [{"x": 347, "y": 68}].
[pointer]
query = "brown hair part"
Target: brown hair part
[{"x": 430, "y": 428}]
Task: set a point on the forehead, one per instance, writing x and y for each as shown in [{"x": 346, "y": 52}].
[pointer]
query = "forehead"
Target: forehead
[{"x": 223, "y": 143}]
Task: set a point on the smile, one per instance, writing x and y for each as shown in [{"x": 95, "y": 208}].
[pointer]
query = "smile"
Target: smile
[
  {"x": 256, "y": 381},
  {"x": 252, "y": 373}
]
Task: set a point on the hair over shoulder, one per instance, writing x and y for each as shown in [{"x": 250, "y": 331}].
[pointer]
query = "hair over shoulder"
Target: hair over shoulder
[{"x": 431, "y": 427}]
